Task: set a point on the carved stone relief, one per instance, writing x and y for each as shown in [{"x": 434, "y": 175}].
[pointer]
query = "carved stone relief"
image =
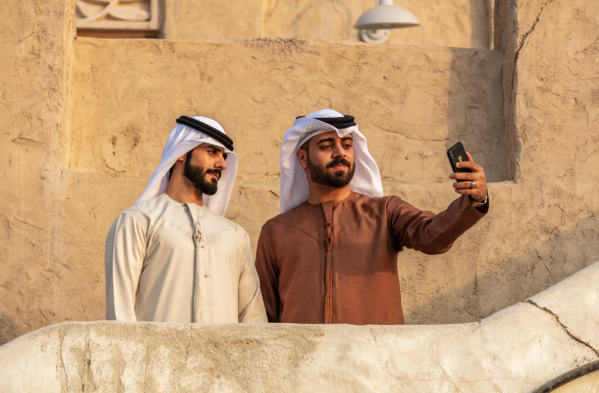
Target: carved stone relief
[{"x": 117, "y": 15}]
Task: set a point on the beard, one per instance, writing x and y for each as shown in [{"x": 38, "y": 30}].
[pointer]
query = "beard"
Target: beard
[
  {"x": 338, "y": 179},
  {"x": 197, "y": 175}
]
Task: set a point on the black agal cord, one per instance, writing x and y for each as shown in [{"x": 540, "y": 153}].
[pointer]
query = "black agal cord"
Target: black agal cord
[{"x": 208, "y": 130}]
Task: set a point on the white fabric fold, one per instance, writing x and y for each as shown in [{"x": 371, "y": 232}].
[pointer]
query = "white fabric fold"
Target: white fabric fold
[
  {"x": 181, "y": 140},
  {"x": 294, "y": 182}
]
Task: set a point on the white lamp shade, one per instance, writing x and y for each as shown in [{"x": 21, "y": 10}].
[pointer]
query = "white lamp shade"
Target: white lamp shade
[{"x": 386, "y": 17}]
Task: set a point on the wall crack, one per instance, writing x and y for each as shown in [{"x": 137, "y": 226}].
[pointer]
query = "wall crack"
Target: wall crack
[
  {"x": 556, "y": 317},
  {"x": 524, "y": 38},
  {"x": 65, "y": 385},
  {"x": 87, "y": 376}
]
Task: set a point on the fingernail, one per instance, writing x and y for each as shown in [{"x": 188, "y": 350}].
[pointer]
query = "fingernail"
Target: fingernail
[{"x": 459, "y": 164}]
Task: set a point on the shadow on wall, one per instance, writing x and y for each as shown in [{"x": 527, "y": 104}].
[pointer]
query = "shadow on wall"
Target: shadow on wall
[
  {"x": 8, "y": 329},
  {"x": 518, "y": 250},
  {"x": 481, "y": 131},
  {"x": 481, "y": 15},
  {"x": 501, "y": 281}
]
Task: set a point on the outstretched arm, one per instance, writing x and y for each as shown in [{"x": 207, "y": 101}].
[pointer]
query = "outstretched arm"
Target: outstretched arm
[
  {"x": 124, "y": 257},
  {"x": 435, "y": 233}
]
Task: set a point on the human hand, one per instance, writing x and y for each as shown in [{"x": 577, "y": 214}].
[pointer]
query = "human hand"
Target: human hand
[{"x": 478, "y": 194}]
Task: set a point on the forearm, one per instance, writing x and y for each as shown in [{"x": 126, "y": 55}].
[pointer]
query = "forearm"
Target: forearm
[
  {"x": 124, "y": 255},
  {"x": 120, "y": 296},
  {"x": 251, "y": 305},
  {"x": 444, "y": 228},
  {"x": 253, "y": 312}
]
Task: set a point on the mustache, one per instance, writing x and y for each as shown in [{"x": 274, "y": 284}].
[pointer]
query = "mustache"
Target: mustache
[
  {"x": 337, "y": 161},
  {"x": 217, "y": 171}
]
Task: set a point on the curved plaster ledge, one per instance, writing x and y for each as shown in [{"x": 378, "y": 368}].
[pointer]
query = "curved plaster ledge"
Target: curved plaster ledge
[{"x": 514, "y": 350}]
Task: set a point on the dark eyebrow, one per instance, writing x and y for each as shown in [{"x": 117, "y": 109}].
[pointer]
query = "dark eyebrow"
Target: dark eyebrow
[
  {"x": 325, "y": 140},
  {"x": 347, "y": 138},
  {"x": 216, "y": 147}
]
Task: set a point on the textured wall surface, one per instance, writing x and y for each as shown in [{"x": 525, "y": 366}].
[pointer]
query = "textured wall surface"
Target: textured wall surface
[
  {"x": 65, "y": 178},
  {"x": 512, "y": 351},
  {"x": 36, "y": 41},
  {"x": 411, "y": 103},
  {"x": 193, "y": 20},
  {"x": 455, "y": 23}
]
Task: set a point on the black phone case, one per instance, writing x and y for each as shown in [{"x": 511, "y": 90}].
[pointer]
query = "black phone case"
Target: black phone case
[{"x": 457, "y": 153}]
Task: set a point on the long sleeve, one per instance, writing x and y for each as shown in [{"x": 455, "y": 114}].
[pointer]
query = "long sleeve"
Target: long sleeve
[
  {"x": 428, "y": 232},
  {"x": 124, "y": 257},
  {"x": 251, "y": 305},
  {"x": 266, "y": 265}
]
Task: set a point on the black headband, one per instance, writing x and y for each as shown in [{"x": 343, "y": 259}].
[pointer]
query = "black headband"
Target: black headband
[
  {"x": 208, "y": 130},
  {"x": 337, "y": 122}
]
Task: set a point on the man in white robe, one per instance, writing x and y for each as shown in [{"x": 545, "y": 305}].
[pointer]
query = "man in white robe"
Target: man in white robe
[{"x": 173, "y": 257}]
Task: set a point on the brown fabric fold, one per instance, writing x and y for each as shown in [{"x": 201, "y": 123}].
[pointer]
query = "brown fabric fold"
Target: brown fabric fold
[{"x": 328, "y": 305}]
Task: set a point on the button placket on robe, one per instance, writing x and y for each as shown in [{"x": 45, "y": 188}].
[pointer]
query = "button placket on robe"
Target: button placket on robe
[
  {"x": 327, "y": 207},
  {"x": 199, "y": 260}
]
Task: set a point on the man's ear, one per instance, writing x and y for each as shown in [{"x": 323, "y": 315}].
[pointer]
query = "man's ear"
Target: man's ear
[
  {"x": 182, "y": 158},
  {"x": 302, "y": 158}
]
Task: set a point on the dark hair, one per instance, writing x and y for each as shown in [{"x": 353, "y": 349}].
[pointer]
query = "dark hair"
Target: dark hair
[
  {"x": 170, "y": 172},
  {"x": 306, "y": 146}
]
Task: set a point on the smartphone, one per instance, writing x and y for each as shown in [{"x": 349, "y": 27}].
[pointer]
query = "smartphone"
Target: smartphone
[{"x": 456, "y": 154}]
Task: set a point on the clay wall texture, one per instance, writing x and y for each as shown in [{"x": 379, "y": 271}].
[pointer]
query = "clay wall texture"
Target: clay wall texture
[
  {"x": 82, "y": 124},
  {"x": 455, "y": 23},
  {"x": 514, "y": 351},
  {"x": 36, "y": 47}
]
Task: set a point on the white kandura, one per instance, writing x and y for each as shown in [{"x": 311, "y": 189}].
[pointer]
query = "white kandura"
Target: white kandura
[{"x": 167, "y": 261}]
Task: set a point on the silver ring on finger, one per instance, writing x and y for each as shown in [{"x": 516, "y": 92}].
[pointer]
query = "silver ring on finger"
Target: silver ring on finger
[{"x": 472, "y": 184}]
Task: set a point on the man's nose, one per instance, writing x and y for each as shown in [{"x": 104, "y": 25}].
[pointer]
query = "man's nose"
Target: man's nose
[
  {"x": 221, "y": 164},
  {"x": 338, "y": 151}
]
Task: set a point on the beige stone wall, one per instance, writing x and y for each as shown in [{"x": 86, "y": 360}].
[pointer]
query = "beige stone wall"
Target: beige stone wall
[
  {"x": 411, "y": 103},
  {"x": 454, "y": 23},
  {"x": 36, "y": 41},
  {"x": 543, "y": 225},
  {"x": 67, "y": 174},
  {"x": 514, "y": 351},
  {"x": 193, "y": 20}
]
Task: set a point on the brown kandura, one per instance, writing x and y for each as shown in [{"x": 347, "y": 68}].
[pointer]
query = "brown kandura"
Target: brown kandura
[{"x": 337, "y": 263}]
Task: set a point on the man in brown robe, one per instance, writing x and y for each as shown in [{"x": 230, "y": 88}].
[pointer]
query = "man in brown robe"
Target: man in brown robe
[{"x": 331, "y": 256}]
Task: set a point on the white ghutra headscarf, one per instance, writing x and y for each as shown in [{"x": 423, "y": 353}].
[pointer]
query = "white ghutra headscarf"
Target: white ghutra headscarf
[
  {"x": 182, "y": 140},
  {"x": 294, "y": 182}
]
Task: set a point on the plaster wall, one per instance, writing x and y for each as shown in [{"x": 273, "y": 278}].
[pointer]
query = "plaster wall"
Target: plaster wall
[
  {"x": 192, "y": 20},
  {"x": 542, "y": 226},
  {"x": 455, "y": 23},
  {"x": 515, "y": 351},
  {"x": 36, "y": 44}
]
